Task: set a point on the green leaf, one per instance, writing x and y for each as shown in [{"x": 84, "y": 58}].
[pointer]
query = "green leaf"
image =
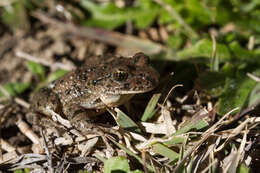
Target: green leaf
[
  {"x": 192, "y": 125},
  {"x": 15, "y": 16},
  {"x": 165, "y": 151},
  {"x": 129, "y": 152},
  {"x": 145, "y": 13},
  {"x": 101, "y": 158},
  {"x": 136, "y": 171},
  {"x": 106, "y": 16},
  {"x": 202, "y": 14},
  {"x": 36, "y": 69},
  {"x": 240, "y": 52},
  {"x": 243, "y": 169},
  {"x": 114, "y": 164},
  {"x": 83, "y": 171},
  {"x": 15, "y": 88},
  {"x": 244, "y": 54},
  {"x": 127, "y": 123},
  {"x": 254, "y": 97},
  {"x": 56, "y": 75},
  {"x": 203, "y": 48},
  {"x": 212, "y": 82},
  {"x": 150, "y": 108},
  {"x": 235, "y": 94},
  {"x": 19, "y": 171},
  {"x": 109, "y": 16},
  {"x": 175, "y": 140},
  {"x": 175, "y": 41}
]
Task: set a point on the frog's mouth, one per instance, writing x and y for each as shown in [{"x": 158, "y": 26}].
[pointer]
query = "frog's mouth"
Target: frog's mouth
[
  {"x": 113, "y": 100},
  {"x": 133, "y": 92}
]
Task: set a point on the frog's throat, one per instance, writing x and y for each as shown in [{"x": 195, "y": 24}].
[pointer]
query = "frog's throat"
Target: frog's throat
[
  {"x": 128, "y": 92},
  {"x": 114, "y": 100}
]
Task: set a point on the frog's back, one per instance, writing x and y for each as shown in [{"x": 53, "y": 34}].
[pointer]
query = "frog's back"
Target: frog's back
[{"x": 73, "y": 84}]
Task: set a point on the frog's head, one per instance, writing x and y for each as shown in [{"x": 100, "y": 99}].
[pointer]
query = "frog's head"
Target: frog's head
[{"x": 130, "y": 76}]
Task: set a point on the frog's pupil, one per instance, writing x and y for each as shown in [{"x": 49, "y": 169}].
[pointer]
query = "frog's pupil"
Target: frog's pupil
[{"x": 120, "y": 75}]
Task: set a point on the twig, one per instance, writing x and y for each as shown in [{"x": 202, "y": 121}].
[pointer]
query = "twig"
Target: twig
[
  {"x": 179, "y": 19},
  {"x": 4, "y": 3},
  {"x": 170, "y": 92},
  {"x": 49, "y": 157},
  {"x": 214, "y": 58},
  {"x": 6, "y": 146},
  {"x": 251, "y": 43},
  {"x": 22, "y": 102},
  {"x": 60, "y": 167},
  {"x": 27, "y": 131},
  {"x": 109, "y": 37},
  {"x": 255, "y": 78}
]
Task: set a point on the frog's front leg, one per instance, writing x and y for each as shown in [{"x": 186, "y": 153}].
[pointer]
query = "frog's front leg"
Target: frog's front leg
[
  {"x": 75, "y": 112},
  {"x": 45, "y": 99},
  {"x": 42, "y": 102}
]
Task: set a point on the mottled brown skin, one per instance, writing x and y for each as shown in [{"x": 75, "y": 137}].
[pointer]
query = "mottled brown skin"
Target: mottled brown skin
[{"x": 90, "y": 89}]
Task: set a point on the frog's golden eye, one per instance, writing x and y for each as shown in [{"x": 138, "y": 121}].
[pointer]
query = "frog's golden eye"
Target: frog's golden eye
[{"x": 120, "y": 75}]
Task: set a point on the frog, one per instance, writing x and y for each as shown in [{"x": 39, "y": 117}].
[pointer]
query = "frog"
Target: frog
[{"x": 104, "y": 82}]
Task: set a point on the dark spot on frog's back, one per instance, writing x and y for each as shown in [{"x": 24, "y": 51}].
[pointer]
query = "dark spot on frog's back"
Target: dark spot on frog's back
[
  {"x": 61, "y": 81},
  {"x": 92, "y": 82},
  {"x": 90, "y": 69},
  {"x": 152, "y": 80},
  {"x": 108, "y": 85},
  {"x": 67, "y": 91},
  {"x": 126, "y": 86},
  {"x": 131, "y": 67},
  {"x": 76, "y": 88},
  {"x": 138, "y": 82},
  {"x": 45, "y": 91}
]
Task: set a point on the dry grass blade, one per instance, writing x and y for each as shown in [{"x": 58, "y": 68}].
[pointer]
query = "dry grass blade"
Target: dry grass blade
[
  {"x": 203, "y": 139},
  {"x": 233, "y": 133},
  {"x": 7, "y": 157},
  {"x": 6, "y": 146},
  {"x": 168, "y": 124},
  {"x": 49, "y": 155},
  {"x": 27, "y": 161},
  {"x": 239, "y": 155},
  {"x": 154, "y": 128},
  {"x": 86, "y": 147}
]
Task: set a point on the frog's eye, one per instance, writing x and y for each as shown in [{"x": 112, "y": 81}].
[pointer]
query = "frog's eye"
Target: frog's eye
[
  {"x": 120, "y": 75},
  {"x": 141, "y": 59}
]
